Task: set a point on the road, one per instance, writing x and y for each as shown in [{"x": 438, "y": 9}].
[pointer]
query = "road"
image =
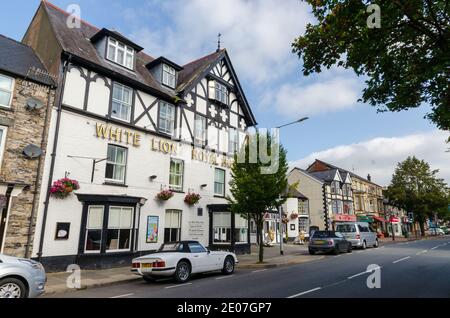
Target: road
[{"x": 412, "y": 269}]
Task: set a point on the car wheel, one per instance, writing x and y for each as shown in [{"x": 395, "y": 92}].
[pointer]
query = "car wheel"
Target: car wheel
[
  {"x": 364, "y": 245},
  {"x": 311, "y": 252},
  {"x": 148, "y": 279},
  {"x": 350, "y": 248},
  {"x": 336, "y": 251},
  {"x": 376, "y": 243},
  {"x": 12, "y": 288},
  {"x": 228, "y": 266},
  {"x": 183, "y": 272}
]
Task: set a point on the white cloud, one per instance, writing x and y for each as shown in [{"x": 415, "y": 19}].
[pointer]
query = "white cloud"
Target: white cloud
[
  {"x": 379, "y": 157},
  {"x": 258, "y": 34},
  {"x": 323, "y": 96}
]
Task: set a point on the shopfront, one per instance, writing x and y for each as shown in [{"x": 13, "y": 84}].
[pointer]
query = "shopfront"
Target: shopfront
[{"x": 343, "y": 218}]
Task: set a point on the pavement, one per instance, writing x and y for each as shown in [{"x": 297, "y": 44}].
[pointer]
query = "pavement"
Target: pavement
[{"x": 294, "y": 255}]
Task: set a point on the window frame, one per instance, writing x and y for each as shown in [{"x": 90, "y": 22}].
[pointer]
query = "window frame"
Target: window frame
[
  {"x": 166, "y": 74},
  {"x": 216, "y": 182},
  {"x": 4, "y": 130},
  {"x": 126, "y": 51},
  {"x": 120, "y": 229},
  {"x": 116, "y": 181},
  {"x": 13, "y": 85},
  {"x": 233, "y": 142},
  {"x": 86, "y": 229},
  {"x": 200, "y": 141},
  {"x": 121, "y": 102},
  {"x": 180, "y": 221},
  {"x": 221, "y": 90},
  {"x": 178, "y": 188},
  {"x": 172, "y": 120}
]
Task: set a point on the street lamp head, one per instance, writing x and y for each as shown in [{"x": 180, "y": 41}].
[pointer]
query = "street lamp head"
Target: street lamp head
[{"x": 302, "y": 119}]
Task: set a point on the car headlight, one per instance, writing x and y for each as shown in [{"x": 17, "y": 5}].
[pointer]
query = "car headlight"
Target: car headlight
[{"x": 34, "y": 264}]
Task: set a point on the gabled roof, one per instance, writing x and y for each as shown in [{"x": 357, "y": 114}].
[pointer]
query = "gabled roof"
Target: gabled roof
[
  {"x": 105, "y": 32},
  {"x": 20, "y": 60},
  {"x": 327, "y": 175},
  {"x": 294, "y": 193},
  {"x": 307, "y": 174},
  {"x": 344, "y": 171}
]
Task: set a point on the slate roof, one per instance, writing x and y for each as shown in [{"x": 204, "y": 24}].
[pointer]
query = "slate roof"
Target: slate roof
[
  {"x": 77, "y": 41},
  {"x": 327, "y": 175},
  {"x": 294, "y": 193},
  {"x": 19, "y": 59}
]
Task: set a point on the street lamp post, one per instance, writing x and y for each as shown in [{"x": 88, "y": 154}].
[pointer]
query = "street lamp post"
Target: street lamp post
[{"x": 280, "y": 210}]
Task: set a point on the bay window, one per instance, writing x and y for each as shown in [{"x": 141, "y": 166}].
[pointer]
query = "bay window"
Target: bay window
[
  {"x": 176, "y": 174},
  {"x": 120, "y": 53},
  {"x": 116, "y": 164},
  {"x": 172, "y": 228},
  {"x": 335, "y": 187},
  {"x": 336, "y": 206},
  {"x": 6, "y": 90},
  {"x": 166, "y": 118},
  {"x": 121, "y": 102},
  {"x": 219, "y": 182}
]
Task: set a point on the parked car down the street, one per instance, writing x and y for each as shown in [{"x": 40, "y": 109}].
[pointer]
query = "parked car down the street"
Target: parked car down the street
[
  {"x": 359, "y": 233},
  {"x": 329, "y": 241},
  {"x": 435, "y": 231},
  {"x": 21, "y": 278},
  {"x": 182, "y": 259}
]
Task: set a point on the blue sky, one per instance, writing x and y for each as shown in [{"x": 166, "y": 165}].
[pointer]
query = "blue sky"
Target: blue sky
[{"x": 258, "y": 35}]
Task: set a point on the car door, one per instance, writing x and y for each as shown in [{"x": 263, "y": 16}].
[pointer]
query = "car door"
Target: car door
[
  {"x": 202, "y": 261},
  {"x": 340, "y": 242}
]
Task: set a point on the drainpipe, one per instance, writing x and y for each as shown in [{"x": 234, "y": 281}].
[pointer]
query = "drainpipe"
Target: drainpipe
[
  {"x": 52, "y": 164},
  {"x": 38, "y": 174}
]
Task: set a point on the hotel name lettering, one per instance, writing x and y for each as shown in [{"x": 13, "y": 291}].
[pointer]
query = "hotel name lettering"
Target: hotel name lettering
[{"x": 158, "y": 145}]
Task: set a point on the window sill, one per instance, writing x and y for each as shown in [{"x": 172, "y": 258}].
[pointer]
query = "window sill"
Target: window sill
[
  {"x": 115, "y": 184},
  {"x": 177, "y": 191},
  {"x": 7, "y": 108},
  {"x": 219, "y": 196}
]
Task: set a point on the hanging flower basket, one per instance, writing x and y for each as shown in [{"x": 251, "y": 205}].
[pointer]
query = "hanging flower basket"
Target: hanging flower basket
[
  {"x": 192, "y": 198},
  {"x": 294, "y": 216},
  {"x": 62, "y": 188},
  {"x": 164, "y": 195}
]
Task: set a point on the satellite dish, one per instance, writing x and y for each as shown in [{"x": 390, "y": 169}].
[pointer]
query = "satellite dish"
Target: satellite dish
[
  {"x": 33, "y": 103},
  {"x": 32, "y": 151}
]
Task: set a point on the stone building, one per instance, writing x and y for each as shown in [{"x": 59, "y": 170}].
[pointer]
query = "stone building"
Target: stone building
[{"x": 26, "y": 95}]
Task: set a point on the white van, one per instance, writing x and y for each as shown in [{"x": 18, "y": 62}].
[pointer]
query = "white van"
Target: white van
[{"x": 359, "y": 233}]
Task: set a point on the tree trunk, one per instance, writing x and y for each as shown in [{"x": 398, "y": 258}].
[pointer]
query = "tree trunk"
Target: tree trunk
[
  {"x": 259, "y": 226},
  {"x": 422, "y": 228}
]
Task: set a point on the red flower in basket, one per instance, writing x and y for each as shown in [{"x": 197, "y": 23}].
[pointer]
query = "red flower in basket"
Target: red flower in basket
[
  {"x": 192, "y": 198},
  {"x": 294, "y": 216},
  {"x": 62, "y": 188},
  {"x": 164, "y": 195}
]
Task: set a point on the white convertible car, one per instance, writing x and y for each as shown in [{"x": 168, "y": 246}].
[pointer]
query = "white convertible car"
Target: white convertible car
[{"x": 181, "y": 259}]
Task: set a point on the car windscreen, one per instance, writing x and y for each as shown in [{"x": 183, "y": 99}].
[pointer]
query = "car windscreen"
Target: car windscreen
[
  {"x": 324, "y": 234},
  {"x": 171, "y": 247},
  {"x": 346, "y": 228}
]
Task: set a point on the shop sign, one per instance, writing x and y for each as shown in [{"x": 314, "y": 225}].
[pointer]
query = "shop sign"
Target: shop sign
[
  {"x": 118, "y": 134},
  {"x": 164, "y": 146},
  {"x": 211, "y": 158},
  {"x": 345, "y": 218},
  {"x": 365, "y": 218}
]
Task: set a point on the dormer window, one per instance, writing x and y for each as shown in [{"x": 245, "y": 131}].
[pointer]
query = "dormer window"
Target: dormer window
[
  {"x": 221, "y": 93},
  {"x": 120, "y": 53},
  {"x": 168, "y": 76}
]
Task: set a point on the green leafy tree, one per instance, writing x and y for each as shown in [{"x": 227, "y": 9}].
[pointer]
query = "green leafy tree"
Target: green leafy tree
[
  {"x": 406, "y": 61},
  {"x": 253, "y": 192},
  {"x": 416, "y": 188}
]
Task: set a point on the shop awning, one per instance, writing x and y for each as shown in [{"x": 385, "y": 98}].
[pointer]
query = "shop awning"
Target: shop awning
[{"x": 379, "y": 219}]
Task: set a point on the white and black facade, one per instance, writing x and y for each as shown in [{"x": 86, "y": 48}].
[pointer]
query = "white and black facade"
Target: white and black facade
[{"x": 126, "y": 127}]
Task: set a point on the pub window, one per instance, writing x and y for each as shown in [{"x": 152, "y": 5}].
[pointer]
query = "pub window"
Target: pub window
[
  {"x": 166, "y": 118},
  {"x": 240, "y": 230},
  {"x": 116, "y": 164},
  {"x": 121, "y": 102},
  {"x": 200, "y": 130},
  {"x": 219, "y": 182},
  {"x": 233, "y": 140},
  {"x": 303, "y": 207},
  {"x": 172, "y": 229},
  {"x": 222, "y": 227},
  {"x": 6, "y": 90},
  {"x": 221, "y": 93},
  {"x": 120, "y": 53},
  {"x": 176, "y": 174},
  {"x": 2, "y": 142},
  {"x": 120, "y": 225},
  {"x": 94, "y": 227},
  {"x": 169, "y": 76},
  {"x": 335, "y": 187},
  {"x": 303, "y": 224}
]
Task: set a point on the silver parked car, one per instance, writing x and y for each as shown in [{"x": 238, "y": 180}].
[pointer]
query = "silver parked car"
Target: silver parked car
[
  {"x": 359, "y": 233},
  {"x": 328, "y": 241},
  {"x": 21, "y": 278}
]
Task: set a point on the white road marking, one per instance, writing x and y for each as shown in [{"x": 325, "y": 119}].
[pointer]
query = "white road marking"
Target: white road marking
[
  {"x": 260, "y": 270},
  {"x": 363, "y": 273},
  {"x": 421, "y": 252},
  {"x": 122, "y": 296},
  {"x": 305, "y": 292},
  {"x": 401, "y": 260},
  {"x": 176, "y": 286},
  {"x": 223, "y": 277},
  {"x": 433, "y": 248}
]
